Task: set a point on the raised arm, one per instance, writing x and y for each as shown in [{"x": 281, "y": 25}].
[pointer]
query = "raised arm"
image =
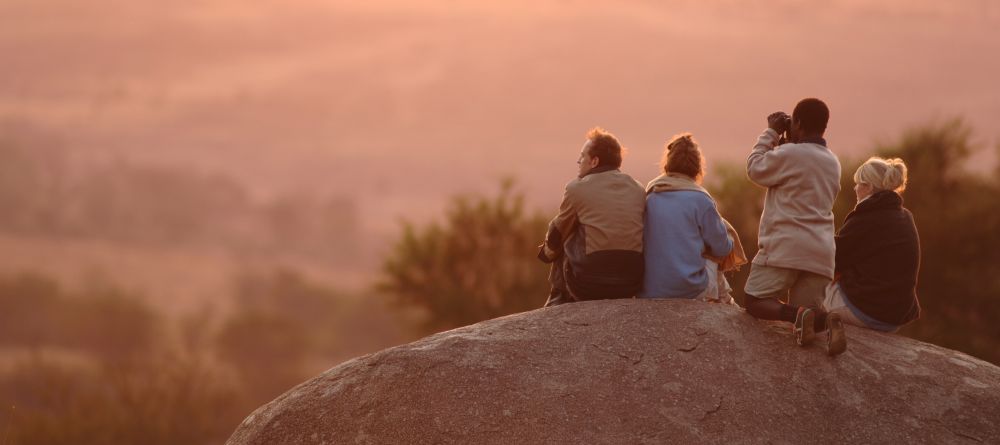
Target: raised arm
[{"x": 765, "y": 165}]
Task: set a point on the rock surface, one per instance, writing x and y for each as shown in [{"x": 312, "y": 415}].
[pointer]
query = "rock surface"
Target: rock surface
[{"x": 639, "y": 371}]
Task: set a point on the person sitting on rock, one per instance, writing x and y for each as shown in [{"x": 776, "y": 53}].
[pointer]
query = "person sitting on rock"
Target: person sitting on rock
[
  {"x": 595, "y": 242},
  {"x": 687, "y": 244},
  {"x": 878, "y": 253},
  {"x": 795, "y": 260}
]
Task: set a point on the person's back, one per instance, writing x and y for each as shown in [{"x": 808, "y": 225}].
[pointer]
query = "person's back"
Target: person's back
[
  {"x": 878, "y": 252},
  {"x": 680, "y": 225},
  {"x": 796, "y": 226},
  {"x": 605, "y": 250},
  {"x": 595, "y": 242},
  {"x": 795, "y": 259}
]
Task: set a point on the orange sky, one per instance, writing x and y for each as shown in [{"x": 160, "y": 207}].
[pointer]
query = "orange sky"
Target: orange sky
[{"x": 402, "y": 104}]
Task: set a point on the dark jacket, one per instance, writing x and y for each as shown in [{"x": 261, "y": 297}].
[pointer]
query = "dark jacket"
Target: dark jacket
[
  {"x": 599, "y": 229},
  {"x": 878, "y": 258}
]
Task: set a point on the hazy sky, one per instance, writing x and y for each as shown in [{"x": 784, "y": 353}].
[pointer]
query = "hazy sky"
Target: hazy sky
[{"x": 402, "y": 104}]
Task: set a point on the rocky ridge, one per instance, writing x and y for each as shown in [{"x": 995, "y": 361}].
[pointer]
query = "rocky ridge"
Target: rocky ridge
[{"x": 639, "y": 371}]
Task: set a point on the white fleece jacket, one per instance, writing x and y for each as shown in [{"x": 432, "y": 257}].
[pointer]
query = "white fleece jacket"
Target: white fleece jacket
[{"x": 802, "y": 180}]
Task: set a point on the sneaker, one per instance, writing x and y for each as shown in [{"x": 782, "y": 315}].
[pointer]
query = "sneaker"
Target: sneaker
[
  {"x": 836, "y": 339},
  {"x": 803, "y": 330}
]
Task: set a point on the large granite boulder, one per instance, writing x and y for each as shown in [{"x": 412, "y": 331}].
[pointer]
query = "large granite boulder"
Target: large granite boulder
[{"x": 639, "y": 371}]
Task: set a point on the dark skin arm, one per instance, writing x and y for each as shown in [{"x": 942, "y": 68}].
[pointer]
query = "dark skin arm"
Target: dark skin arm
[{"x": 777, "y": 121}]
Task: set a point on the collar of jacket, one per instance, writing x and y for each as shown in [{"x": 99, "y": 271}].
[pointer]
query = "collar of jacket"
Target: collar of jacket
[
  {"x": 882, "y": 199},
  {"x": 599, "y": 169},
  {"x": 670, "y": 182},
  {"x": 813, "y": 140}
]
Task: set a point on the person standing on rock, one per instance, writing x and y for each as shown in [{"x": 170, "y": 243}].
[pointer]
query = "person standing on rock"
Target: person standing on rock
[
  {"x": 795, "y": 260},
  {"x": 595, "y": 242},
  {"x": 688, "y": 245}
]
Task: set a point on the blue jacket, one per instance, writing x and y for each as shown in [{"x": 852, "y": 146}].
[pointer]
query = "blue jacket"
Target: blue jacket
[{"x": 679, "y": 227}]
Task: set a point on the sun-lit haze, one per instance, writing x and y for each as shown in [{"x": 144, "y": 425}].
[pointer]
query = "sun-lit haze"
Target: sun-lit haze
[
  {"x": 401, "y": 104},
  {"x": 202, "y": 203}
]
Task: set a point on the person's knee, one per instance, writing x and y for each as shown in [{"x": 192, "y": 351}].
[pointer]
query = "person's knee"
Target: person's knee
[
  {"x": 754, "y": 306},
  {"x": 763, "y": 308}
]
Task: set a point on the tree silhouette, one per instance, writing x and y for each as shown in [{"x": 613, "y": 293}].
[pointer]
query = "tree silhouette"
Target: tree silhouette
[{"x": 479, "y": 264}]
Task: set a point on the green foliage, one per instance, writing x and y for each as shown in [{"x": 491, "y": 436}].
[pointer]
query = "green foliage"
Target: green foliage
[
  {"x": 479, "y": 264},
  {"x": 280, "y": 320},
  {"x": 98, "y": 371},
  {"x": 103, "y": 322},
  {"x": 266, "y": 351},
  {"x": 99, "y": 366},
  {"x": 283, "y": 325},
  {"x": 167, "y": 400}
]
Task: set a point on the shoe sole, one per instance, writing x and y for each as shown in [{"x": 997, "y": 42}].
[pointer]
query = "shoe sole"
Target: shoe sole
[
  {"x": 837, "y": 338},
  {"x": 804, "y": 333}
]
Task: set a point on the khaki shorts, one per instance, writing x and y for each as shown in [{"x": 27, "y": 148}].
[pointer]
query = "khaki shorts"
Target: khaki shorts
[{"x": 796, "y": 287}]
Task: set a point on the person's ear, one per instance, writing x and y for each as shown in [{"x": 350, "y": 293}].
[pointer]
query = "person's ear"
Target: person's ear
[
  {"x": 796, "y": 131},
  {"x": 594, "y": 161}
]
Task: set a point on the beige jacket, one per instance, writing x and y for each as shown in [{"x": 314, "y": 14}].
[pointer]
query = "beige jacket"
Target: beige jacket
[
  {"x": 599, "y": 229},
  {"x": 802, "y": 180}
]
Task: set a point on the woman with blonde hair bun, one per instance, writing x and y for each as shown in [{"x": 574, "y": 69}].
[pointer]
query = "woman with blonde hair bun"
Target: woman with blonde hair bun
[
  {"x": 878, "y": 252},
  {"x": 686, "y": 243}
]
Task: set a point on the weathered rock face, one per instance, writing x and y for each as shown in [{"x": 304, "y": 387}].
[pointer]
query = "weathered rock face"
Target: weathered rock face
[{"x": 639, "y": 371}]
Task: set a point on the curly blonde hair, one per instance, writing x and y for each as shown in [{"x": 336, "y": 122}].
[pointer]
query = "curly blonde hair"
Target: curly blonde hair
[{"x": 882, "y": 174}]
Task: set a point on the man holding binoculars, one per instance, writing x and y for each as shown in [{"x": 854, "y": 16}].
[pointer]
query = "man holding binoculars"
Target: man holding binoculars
[{"x": 795, "y": 260}]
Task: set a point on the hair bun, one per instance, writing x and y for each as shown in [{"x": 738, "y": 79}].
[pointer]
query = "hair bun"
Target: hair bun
[
  {"x": 883, "y": 174},
  {"x": 895, "y": 175},
  {"x": 683, "y": 141},
  {"x": 683, "y": 156}
]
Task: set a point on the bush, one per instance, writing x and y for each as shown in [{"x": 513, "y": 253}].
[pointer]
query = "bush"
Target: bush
[
  {"x": 479, "y": 264},
  {"x": 105, "y": 322},
  {"x": 266, "y": 350},
  {"x": 98, "y": 370},
  {"x": 168, "y": 400}
]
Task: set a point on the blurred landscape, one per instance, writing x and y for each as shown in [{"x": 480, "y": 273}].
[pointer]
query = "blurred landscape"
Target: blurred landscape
[
  {"x": 204, "y": 204},
  {"x": 352, "y": 100}
]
